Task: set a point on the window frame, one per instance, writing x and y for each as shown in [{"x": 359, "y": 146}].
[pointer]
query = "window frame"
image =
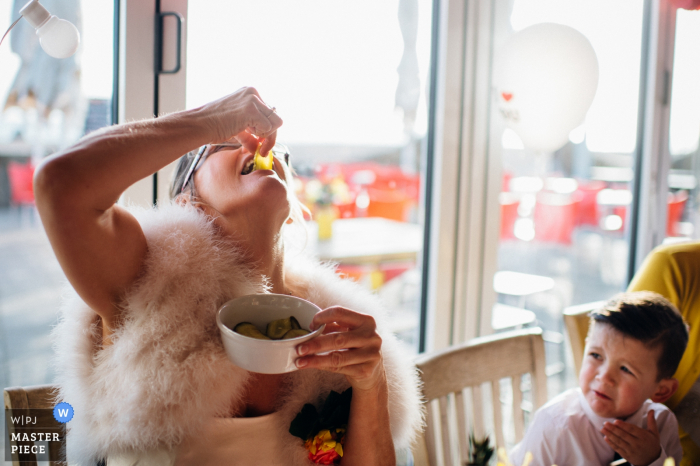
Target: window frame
[
  {"x": 462, "y": 218},
  {"x": 465, "y": 229},
  {"x": 136, "y": 93}
]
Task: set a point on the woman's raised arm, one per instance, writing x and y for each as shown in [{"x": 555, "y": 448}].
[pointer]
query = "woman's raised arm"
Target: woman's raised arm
[{"x": 99, "y": 245}]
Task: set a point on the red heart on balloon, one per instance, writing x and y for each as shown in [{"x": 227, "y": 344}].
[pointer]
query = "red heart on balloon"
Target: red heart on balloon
[{"x": 507, "y": 96}]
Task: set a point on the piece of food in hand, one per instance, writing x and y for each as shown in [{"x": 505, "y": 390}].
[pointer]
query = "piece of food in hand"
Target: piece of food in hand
[
  {"x": 295, "y": 333},
  {"x": 249, "y": 330},
  {"x": 260, "y": 162}
]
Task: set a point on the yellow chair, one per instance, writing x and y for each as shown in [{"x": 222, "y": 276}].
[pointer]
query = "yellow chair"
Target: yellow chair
[
  {"x": 36, "y": 397},
  {"x": 451, "y": 375},
  {"x": 576, "y": 321}
]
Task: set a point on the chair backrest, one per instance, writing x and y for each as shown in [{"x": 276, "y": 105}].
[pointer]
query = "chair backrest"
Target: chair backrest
[
  {"x": 39, "y": 397},
  {"x": 576, "y": 321},
  {"x": 555, "y": 218},
  {"x": 453, "y": 382}
]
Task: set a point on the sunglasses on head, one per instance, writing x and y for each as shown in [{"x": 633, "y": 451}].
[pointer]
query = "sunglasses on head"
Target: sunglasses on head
[{"x": 279, "y": 151}]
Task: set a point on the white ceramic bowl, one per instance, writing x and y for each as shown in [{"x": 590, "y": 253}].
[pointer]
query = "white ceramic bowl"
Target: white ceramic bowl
[{"x": 264, "y": 356}]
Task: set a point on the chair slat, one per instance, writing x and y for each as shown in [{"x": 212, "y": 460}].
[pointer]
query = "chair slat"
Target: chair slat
[
  {"x": 518, "y": 415},
  {"x": 477, "y": 361},
  {"x": 462, "y": 432},
  {"x": 538, "y": 377},
  {"x": 445, "y": 431},
  {"x": 430, "y": 433},
  {"x": 497, "y": 415},
  {"x": 478, "y": 406},
  {"x": 453, "y": 387}
]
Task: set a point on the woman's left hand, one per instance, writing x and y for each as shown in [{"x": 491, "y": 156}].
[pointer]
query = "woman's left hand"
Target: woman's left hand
[{"x": 349, "y": 345}]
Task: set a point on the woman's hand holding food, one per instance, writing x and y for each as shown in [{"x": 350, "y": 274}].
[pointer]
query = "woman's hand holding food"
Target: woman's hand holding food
[
  {"x": 246, "y": 117},
  {"x": 350, "y": 345}
]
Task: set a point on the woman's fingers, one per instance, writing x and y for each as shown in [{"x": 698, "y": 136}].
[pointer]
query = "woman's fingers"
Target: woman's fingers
[
  {"x": 338, "y": 361},
  {"x": 270, "y": 138},
  {"x": 344, "y": 317},
  {"x": 249, "y": 141},
  {"x": 340, "y": 341},
  {"x": 257, "y": 117},
  {"x": 244, "y": 110},
  {"x": 333, "y": 328},
  {"x": 352, "y": 348}
]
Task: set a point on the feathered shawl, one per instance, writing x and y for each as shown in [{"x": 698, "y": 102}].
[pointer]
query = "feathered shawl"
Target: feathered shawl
[{"x": 167, "y": 372}]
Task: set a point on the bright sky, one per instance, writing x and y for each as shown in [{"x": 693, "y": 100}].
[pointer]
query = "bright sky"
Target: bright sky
[
  {"x": 685, "y": 100},
  {"x": 329, "y": 66}
]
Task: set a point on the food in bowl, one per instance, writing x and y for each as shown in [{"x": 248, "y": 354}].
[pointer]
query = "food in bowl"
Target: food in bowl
[
  {"x": 278, "y": 329},
  {"x": 265, "y": 356}
]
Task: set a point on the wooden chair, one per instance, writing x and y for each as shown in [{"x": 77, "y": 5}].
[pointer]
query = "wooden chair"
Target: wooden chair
[
  {"x": 39, "y": 397},
  {"x": 576, "y": 321},
  {"x": 450, "y": 375}
]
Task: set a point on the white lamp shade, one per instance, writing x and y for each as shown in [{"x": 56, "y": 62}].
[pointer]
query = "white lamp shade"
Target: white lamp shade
[
  {"x": 58, "y": 37},
  {"x": 545, "y": 79}
]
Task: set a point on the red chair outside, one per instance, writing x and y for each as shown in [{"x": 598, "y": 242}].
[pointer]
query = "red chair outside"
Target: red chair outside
[
  {"x": 509, "y": 214},
  {"x": 392, "y": 192},
  {"x": 21, "y": 187},
  {"x": 676, "y": 204},
  {"x": 555, "y": 218},
  {"x": 587, "y": 209},
  {"x": 391, "y": 204}
]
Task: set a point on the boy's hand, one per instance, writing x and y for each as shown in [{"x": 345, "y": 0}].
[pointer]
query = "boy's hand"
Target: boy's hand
[{"x": 638, "y": 446}]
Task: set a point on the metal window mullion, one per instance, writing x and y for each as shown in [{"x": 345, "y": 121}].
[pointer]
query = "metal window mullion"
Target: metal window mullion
[
  {"x": 435, "y": 44},
  {"x": 463, "y": 230},
  {"x": 652, "y": 160},
  {"x": 471, "y": 290},
  {"x": 135, "y": 71},
  {"x": 115, "y": 64},
  {"x": 447, "y": 110}
]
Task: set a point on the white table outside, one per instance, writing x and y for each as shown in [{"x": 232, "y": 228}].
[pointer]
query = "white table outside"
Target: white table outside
[{"x": 368, "y": 240}]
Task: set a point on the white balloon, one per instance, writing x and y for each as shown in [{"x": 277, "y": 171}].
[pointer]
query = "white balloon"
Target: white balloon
[{"x": 545, "y": 78}]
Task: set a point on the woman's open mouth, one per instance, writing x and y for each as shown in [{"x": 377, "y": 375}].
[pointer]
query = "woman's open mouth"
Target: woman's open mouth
[{"x": 248, "y": 168}]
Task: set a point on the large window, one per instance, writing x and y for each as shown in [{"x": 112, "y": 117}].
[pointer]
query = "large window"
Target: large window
[
  {"x": 683, "y": 220},
  {"x": 350, "y": 80},
  {"x": 565, "y": 215},
  {"x": 45, "y": 104}
]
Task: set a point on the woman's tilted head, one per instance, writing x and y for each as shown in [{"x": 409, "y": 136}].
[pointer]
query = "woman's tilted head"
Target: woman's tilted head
[{"x": 219, "y": 176}]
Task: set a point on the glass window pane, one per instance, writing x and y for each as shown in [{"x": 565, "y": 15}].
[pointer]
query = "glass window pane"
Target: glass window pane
[
  {"x": 47, "y": 104},
  {"x": 350, "y": 80},
  {"x": 564, "y": 214},
  {"x": 682, "y": 216}
]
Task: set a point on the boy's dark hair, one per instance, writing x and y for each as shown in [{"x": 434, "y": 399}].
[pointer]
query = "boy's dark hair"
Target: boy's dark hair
[{"x": 651, "y": 319}]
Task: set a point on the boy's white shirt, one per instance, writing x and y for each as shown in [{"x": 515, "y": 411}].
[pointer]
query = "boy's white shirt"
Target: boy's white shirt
[{"x": 566, "y": 432}]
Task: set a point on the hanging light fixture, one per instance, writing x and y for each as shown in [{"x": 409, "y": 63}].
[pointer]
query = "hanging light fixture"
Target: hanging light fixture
[{"x": 58, "y": 37}]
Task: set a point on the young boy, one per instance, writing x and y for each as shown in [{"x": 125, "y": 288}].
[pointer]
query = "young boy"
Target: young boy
[{"x": 634, "y": 345}]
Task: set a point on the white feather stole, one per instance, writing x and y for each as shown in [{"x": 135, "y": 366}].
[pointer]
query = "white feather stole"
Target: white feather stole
[{"x": 167, "y": 373}]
